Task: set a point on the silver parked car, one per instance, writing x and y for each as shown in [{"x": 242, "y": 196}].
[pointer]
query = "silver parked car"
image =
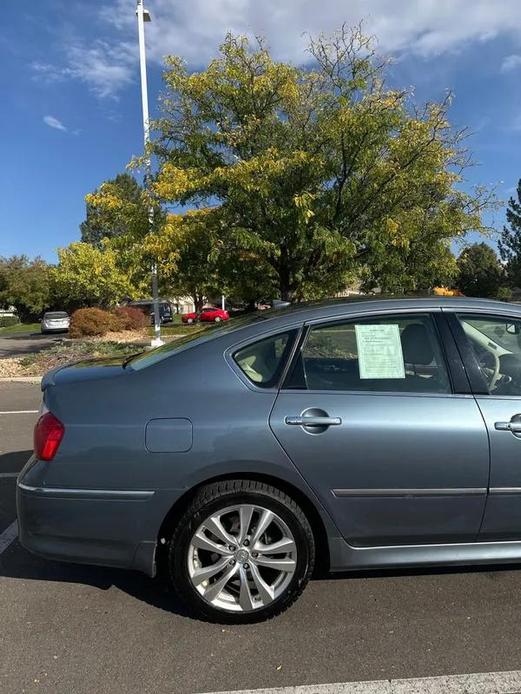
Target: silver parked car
[
  {"x": 352, "y": 435},
  {"x": 55, "y": 322}
]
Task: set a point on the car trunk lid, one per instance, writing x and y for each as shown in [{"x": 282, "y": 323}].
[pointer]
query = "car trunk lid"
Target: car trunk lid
[{"x": 85, "y": 370}]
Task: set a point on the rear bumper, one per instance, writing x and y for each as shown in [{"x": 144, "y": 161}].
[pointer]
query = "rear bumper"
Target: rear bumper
[{"x": 103, "y": 527}]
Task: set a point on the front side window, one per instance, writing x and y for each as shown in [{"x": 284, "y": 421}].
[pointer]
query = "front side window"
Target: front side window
[
  {"x": 263, "y": 362},
  {"x": 496, "y": 345},
  {"x": 387, "y": 354}
]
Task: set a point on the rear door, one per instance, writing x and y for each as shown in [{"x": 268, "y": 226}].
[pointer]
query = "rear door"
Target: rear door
[
  {"x": 491, "y": 347},
  {"x": 370, "y": 417}
]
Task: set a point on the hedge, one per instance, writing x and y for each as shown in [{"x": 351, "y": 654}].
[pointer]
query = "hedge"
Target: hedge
[
  {"x": 7, "y": 321},
  {"x": 131, "y": 318},
  {"x": 92, "y": 321}
]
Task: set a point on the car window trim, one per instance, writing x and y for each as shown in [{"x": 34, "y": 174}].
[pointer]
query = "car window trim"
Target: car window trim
[
  {"x": 457, "y": 373},
  {"x": 452, "y": 362},
  {"x": 292, "y": 363},
  {"x": 477, "y": 382}
]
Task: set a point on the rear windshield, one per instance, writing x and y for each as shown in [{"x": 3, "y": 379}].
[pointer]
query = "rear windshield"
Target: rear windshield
[{"x": 56, "y": 314}]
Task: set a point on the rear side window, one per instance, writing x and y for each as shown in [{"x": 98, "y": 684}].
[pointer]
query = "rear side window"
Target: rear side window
[
  {"x": 262, "y": 362},
  {"x": 389, "y": 354}
]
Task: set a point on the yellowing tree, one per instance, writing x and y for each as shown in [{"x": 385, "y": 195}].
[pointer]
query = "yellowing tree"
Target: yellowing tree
[
  {"x": 90, "y": 276},
  {"x": 321, "y": 173}
]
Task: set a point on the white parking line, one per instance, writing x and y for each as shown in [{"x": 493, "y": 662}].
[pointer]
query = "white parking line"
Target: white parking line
[
  {"x": 9, "y": 534},
  {"x": 481, "y": 683},
  {"x": 20, "y": 412},
  {"x": 6, "y": 475}
]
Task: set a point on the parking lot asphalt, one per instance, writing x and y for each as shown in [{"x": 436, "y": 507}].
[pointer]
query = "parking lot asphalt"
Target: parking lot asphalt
[
  {"x": 24, "y": 343},
  {"x": 76, "y": 629}
]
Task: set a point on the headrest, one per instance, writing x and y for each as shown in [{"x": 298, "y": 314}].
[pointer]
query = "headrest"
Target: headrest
[
  {"x": 510, "y": 365},
  {"x": 417, "y": 345}
]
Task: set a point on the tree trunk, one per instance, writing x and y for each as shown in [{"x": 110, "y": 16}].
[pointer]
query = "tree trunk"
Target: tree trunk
[
  {"x": 198, "y": 302},
  {"x": 286, "y": 292}
]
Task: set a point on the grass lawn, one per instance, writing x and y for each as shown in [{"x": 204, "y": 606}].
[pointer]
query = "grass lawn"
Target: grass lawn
[
  {"x": 182, "y": 329},
  {"x": 20, "y": 329}
]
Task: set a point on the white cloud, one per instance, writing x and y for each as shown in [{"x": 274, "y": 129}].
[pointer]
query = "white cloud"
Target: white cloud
[
  {"x": 104, "y": 67},
  {"x": 425, "y": 27},
  {"x": 55, "y": 123},
  {"x": 194, "y": 30},
  {"x": 511, "y": 62}
]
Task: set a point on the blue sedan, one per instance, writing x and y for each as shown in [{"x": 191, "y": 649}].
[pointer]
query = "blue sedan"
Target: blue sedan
[{"x": 347, "y": 435}]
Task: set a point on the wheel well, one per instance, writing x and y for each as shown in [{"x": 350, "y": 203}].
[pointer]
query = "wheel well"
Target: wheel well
[{"x": 309, "y": 508}]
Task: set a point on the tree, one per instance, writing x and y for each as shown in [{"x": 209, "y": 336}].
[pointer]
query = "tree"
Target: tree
[
  {"x": 188, "y": 249},
  {"x": 121, "y": 215},
  {"x": 480, "y": 272},
  {"x": 319, "y": 173},
  {"x": 125, "y": 211},
  {"x": 90, "y": 276},
  {"x": 245, "y": 276},
  {"x": 510, "y": 241},
  {"x": 26, "y": 285}
]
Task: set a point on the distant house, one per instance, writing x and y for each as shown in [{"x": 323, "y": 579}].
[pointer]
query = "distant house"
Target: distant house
[
  {"x": 9, "y": 311},
  {"x": 182, "y": 304}
]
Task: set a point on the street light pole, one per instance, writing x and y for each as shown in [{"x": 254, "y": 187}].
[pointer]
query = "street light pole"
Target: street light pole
[{"x": 143, "y": 16}]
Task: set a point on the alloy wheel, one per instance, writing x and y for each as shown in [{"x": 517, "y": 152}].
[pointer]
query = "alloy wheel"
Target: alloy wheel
[{"x": 242, "y": 558}]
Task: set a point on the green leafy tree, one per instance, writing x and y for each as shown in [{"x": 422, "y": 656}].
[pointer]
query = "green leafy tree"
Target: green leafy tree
[
  {"x": 197, "y": 258},
  {"x": 90, "y": 276},
  {"x": 510, "y": 241},
  {"x": 320, "y": 173},
  {"x": 122, "y": 214},
  {"x": 125, "y": 211},
  {"x": 480, "y": 272},
  {"x": 26, "y": 285},
  {"x": 245, "y": 276},
  {"x": 188, "y": 248}
]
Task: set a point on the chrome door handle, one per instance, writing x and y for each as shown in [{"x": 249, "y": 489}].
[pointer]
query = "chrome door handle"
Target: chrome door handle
[
  {"x": 513, "y": 426},
  {"x": 313, "y": 421}
]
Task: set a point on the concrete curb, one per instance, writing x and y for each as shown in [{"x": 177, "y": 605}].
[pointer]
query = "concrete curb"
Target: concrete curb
[{"x": 21, "y": 379}]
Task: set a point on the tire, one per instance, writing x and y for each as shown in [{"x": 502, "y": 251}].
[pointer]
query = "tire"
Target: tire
[
  {"x": 189, "y": 321},
  {"x": 217, "y": 319},
  {"x": 265, "y": 596}
]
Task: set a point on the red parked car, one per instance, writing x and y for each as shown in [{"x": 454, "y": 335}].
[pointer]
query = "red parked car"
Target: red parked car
[{"x": 210, "y": 314}]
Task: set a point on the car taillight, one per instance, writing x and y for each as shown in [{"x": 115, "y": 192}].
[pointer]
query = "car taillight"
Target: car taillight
[{"x": 48, "y": 434}]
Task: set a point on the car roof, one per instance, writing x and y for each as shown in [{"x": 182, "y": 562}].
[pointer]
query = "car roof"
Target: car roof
[
  {"x": 317, "y": 310},
  {"x": 146, "y": 302}
]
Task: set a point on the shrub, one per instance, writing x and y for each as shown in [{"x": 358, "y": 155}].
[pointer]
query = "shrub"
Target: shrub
[
  {"x": 131, "y": 318},
  {"x": 92, "y": 321},
  {"x": 7, "y": 321}
]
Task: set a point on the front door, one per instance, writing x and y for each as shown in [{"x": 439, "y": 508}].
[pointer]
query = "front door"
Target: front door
[
  {"x": 491, "y": 346},
  {"x": 369, "y": 417}
]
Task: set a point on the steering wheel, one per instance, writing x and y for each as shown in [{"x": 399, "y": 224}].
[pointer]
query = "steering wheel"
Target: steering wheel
[{"x": 489, "y": 366}]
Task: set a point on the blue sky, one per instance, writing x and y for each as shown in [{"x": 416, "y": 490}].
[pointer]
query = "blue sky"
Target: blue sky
[{"x": 71, "y": 117}]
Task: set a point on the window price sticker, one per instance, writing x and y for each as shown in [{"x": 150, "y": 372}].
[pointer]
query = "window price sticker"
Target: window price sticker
[{"x": 379, "y": 351}]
